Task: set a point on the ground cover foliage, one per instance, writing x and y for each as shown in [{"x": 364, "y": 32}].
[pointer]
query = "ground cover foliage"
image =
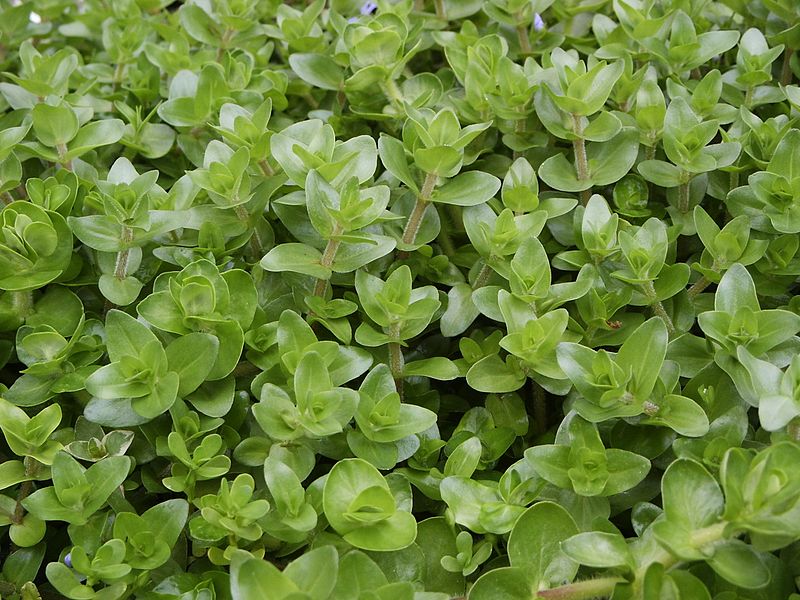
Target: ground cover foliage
[{"x": 401, "y": 300}]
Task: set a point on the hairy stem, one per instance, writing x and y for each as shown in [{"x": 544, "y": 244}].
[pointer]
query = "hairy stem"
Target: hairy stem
[
  {"x": 539, "y": 409},
  {"x": 31, "y": 468},
  {"x": 786, "y": 71},
  {"x": 415, "y": 220},
  {"x": 698, "y": 286},
  {"x": 393, "y": 93},
  {"x": 445, "y": 239},
  {"x": 581, "y": 160},
  {"x": 121, "y": 265},
  {"x": 684, "y": 195},
  {"x": 328, "y": 256},
  {"x": 524, "y": 40},
  {"x": 658, "y": 308},
  {"x": 396, "y": 361},
  {"x": 223, "y": 43},
  {"x": 582, "y": 590},
  {"x": 265, "y": 167},
  {"x": 62, "y": 157}
]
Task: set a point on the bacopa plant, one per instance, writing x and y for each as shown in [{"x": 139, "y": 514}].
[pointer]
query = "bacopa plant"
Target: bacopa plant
[{"x": 400, "y": 300}]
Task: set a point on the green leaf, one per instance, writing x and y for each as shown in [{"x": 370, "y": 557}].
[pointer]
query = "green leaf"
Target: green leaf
[
  {"x": 535, "y": 545},
  {"x": 317, "y": 70},
  {"x": 598, "y": 549},
  {"x": 740, "y": 564},
  {"x": 297, "y": 258},
  {"x": 467, "y": 189},
  {"x": 192, "y": 357}
]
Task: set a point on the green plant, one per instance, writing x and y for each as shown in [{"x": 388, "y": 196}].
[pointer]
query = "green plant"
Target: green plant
[{"x": 404, "y": 299}]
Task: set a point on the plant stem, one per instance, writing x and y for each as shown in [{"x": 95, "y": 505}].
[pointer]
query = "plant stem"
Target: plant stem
[
  {"x": 415, "y": 220},
  {"x": 524, "y": 40},
  {"x": 520, "y": 127},
  {"x": 539, "y": 409},
  {"x": 786, "y": 71},
  {"x": 326, "y": 261},
  {"x": 698, "y": 286},
  {"x": 445, "y": 239},
  {"x": 265, "y": 167},
  {"x": 582, "y": 590},
  {"x": 22, "y": 303},
  {"x": 748, "y": 96},
  {"x": 392, "y": 91},
  {"x": 223, "y": 43},
  {"x": 7, "y": 198},
  {"x": 581, "y": 160},
  {"x": 116, "y": 79},
  {"x": 440, "y": 9},
  {"x": 604, "y": 586},
  {"x": 684, "y": 196},
  {"x": 121, "y": 266},
  {"x": 658, "y": 308},
  {"x": 31, "y": 468},
  {"x": 396, "y": 361},
  {"x": 62, "y": 153}
]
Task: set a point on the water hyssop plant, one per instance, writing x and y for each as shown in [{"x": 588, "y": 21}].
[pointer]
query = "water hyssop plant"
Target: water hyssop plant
[{"x": 400, "y": 300}]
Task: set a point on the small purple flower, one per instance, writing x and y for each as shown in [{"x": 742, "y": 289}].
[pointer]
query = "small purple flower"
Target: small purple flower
[
  {"x": 368, "y": 8},
  {"x": 68, "y": 560},
  {"x": 538, "y": 22},
  {"x": 352, "y": 20}
]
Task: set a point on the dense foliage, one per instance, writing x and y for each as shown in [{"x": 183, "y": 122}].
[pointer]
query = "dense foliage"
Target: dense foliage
[{"x": 405, "y": 300}]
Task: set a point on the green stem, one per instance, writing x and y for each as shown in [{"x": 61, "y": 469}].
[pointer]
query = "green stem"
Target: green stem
[
  {"x": 396, "y": 361},
  {"x": 121, "y": 266},
  {"x": 786, "y": 71},
  {"x": 328, "y": 256},
  {"x": 415, "y": 219},
  {"x": 520, "y": 127},
  {"x": 22, "y": 303},
  {"x": 684, "y": 195},
  {"x": 582, "y": 590},
  {"x": 393, "y": 93},
  {"x": 62, "y": 154},
  {"x": 265, "y": 167},
  {"x": 440, "y": 9},
  {"x": 658, "y": 308},
  {"x": 31, "y": 468},
  {"x": 604, "y": 586},
  {"x": 445, "y": 239},
  {"x": 6, "y": 198},
  {"x": 698, "y": 286},
  {"x": 748, "y": 96},
  {"x": 539, "y": 409},
  {"x": 524, "y": 40},
  {"x": 223, "y": 43},
  {"x": 581, "y": 160},
  {"x": 116, "y": 79},
  {"x": 733, "y": 180}
]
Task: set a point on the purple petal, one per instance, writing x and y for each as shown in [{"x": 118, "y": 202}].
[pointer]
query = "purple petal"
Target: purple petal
[
  {"x": 368, "y": 8},
  {"x": 538, "y": 22}
]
